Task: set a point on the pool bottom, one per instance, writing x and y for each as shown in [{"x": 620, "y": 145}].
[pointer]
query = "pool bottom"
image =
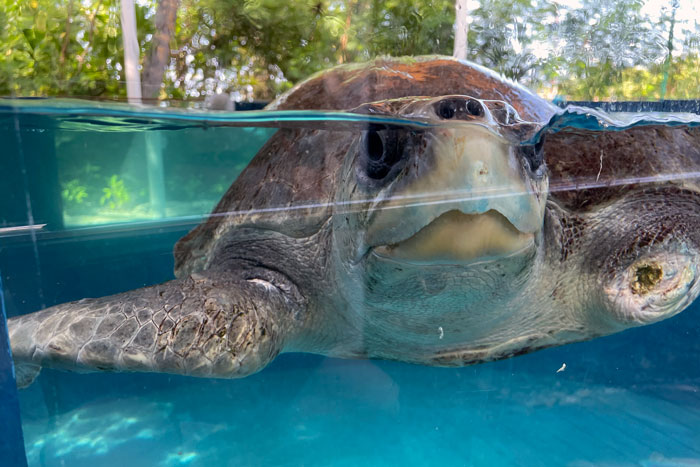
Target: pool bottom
[{"x": 319, "y": 411}]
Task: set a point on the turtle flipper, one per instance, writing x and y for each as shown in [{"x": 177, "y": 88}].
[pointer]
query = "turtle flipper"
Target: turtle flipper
[{"x": 209, "y": 325}]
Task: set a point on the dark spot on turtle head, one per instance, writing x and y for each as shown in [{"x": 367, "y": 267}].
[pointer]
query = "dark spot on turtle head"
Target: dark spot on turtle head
[
  {"x": 475, "y": 108},
  {"x": 382, "y": 150},
  {"x": 459, "y": 107},
  {"x": 447, "y": 109},
  {"x": 533, "y": 155}
]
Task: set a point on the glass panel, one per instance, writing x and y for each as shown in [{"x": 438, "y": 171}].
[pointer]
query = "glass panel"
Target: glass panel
[
  {"x": 163, "y": 174},
  {"x": 386, "y": 219},
  {"x": 12, "y": 441}
]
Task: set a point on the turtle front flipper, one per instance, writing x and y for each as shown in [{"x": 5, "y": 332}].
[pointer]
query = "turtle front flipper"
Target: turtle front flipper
[{"x": 208, "y": 324}]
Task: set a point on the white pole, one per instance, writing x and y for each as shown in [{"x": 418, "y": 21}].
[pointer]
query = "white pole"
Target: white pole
[
  {"x": 155, "y": 170},
  {"x": 131, "y": 52},
  {"x": 152, "y": 139},
  {"x": 461, "y": 28}
]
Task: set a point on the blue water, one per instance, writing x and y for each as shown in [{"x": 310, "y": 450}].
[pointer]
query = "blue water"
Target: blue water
[
  {"x": 11, "y": 441},
  {"x": 305, "y": 410},
  {"x": 80, "y": 115},
  {"x": 627, "y": 399},
  {"x": 70, "y": 114},
  {"x": 592, "y": 119}
]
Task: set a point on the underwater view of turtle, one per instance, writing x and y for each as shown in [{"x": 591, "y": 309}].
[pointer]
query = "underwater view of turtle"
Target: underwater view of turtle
[{"x": 469, "y": 240}]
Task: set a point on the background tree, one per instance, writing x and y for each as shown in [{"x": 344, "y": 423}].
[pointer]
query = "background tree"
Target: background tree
[
  {"x": 504, "y": 33},
  {"x": 260, "y": 48},
  {"x": 617, "y": 52},
  {"x": 158, "y": 58},
  {"x": 602, "y": 39},
  {"x": 64, "y": 47},
  {"x": 256, "y": 49}
]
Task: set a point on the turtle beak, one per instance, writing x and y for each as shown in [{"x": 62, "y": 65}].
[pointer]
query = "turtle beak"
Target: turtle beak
[
  {"x": 473, "y": 196},
  {"x": 455, "y": 237}
]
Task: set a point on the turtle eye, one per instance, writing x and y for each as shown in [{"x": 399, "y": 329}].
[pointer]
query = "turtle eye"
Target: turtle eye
[
  {"x": 475, "y": 108},
  {"x": 382, "y": 151},
  {"x": 533, "y": 154},
  {"x": 374, "y": 146}
]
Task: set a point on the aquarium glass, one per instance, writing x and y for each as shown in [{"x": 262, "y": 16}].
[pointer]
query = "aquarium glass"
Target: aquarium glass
[{"x": 97, "y": 187}]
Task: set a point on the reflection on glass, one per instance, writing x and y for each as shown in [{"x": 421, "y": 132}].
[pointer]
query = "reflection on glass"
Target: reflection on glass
[{"x": 111, "y": 177}]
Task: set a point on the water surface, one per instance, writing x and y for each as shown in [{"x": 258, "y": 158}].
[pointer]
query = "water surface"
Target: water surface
[{"x": 84, "y": 215}]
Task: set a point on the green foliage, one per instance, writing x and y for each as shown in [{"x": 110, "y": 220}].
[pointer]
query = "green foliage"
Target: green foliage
[
  {"x": 64, "y": 47},
  {"x": 503, "y": 35},
  {"x": 73, "y": 192},
  {"x": 602, "y": 39},
  {"x": 617, "y": 53},
  {"x": 115, "y": 193},
  {"x": 638, "y": 83},
  {"x": 257, "y": 49},
  {"x": 80, "y": 183}
]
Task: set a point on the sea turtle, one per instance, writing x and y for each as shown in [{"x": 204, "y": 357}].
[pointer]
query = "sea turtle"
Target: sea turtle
[{"x": 439, "y": 245}]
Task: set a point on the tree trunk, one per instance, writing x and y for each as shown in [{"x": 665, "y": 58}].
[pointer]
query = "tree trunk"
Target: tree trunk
[
  {"x": 159, "y": 56},
  {"x": 669, "y": 57},
  {"x": 461, "y": 29},
  {"x": 131, "y": 52}
]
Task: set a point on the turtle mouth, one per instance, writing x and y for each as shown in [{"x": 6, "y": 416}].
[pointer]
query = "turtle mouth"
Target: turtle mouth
[{"x": 458, "y": 238}]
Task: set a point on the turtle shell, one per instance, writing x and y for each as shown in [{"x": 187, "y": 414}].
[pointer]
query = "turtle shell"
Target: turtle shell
[
  {"x": 590, "y": 168},
  {"x": 289, "y": 185},
  {"x": 347, "y": 86}
]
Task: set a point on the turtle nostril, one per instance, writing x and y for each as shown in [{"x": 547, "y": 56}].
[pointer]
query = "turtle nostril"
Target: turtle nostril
[
  {"x": 474, "y": 108},
  {"x": 447, "y": 109}
]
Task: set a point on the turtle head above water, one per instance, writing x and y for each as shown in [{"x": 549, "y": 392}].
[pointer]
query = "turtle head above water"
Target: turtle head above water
[{"x": 463, "y": 191}]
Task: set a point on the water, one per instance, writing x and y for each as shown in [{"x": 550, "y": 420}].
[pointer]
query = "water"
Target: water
[{"x": 628, "y": 399}]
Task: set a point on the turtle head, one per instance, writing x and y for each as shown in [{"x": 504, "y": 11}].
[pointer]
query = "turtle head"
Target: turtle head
[
  {"x": 463, "y": 191},
  {"x": 436, "y": 227}
]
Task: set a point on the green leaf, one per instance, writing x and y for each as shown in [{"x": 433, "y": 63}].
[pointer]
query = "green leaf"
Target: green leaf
[{"x": 33, "y": 37}]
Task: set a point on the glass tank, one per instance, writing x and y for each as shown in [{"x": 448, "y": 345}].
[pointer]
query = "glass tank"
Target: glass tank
[{"x": 353, "y": 232}]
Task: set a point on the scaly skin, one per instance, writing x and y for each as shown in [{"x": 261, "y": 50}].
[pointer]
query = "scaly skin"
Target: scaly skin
[{"x": 210, "y": 324}]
